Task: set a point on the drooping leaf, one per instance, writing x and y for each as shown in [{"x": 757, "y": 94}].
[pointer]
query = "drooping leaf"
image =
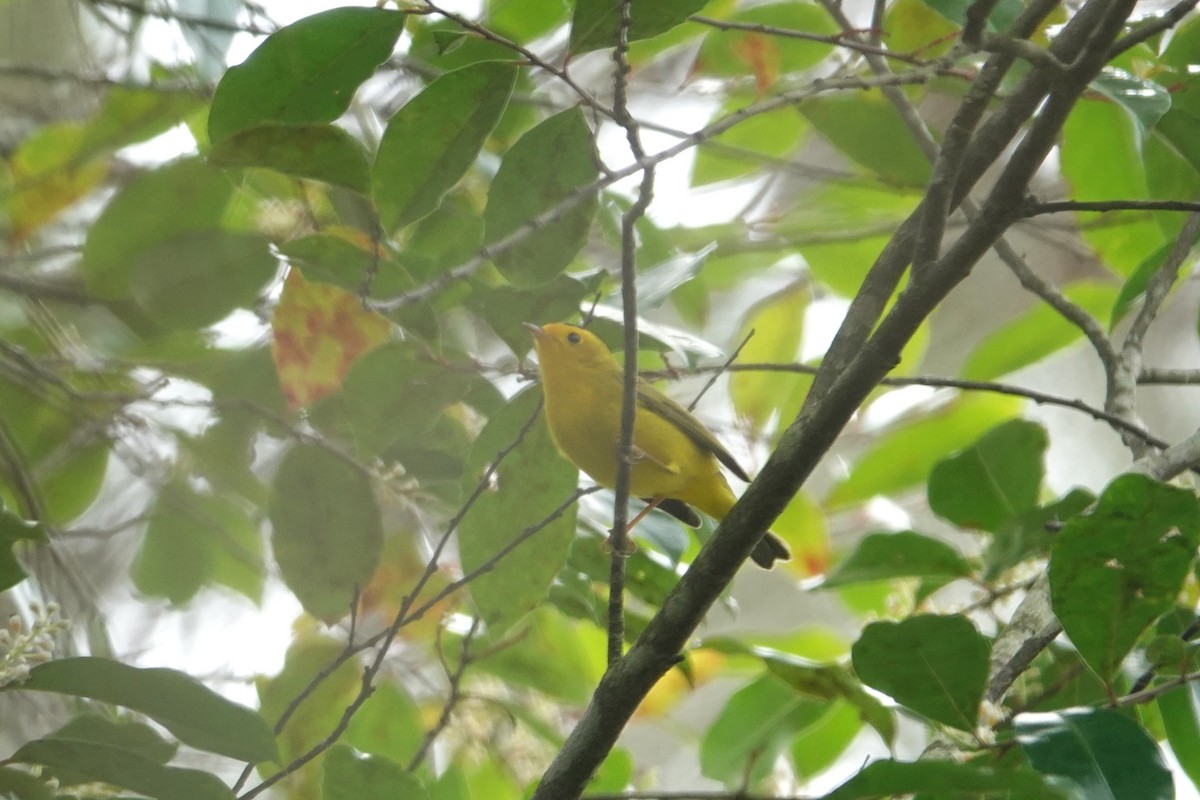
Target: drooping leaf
[
  {"x": 326, "y": 529},
  {"x": 13, "y": 529},
  {"x": 105, "y": 763},
  {"x": 774, "y": 328},
  {"x": 51, "y": 170},
  {"x": 304, "y": 73}
]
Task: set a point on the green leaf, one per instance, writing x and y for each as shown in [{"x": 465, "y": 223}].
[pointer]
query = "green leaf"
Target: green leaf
[
  {"x": 305, "y": 73},
  {"x": 817, "y": 747},
  {"x": 317, "y": 152},
  {"x": 1103, "y": 752},
  {"x": 543, "y": 169},
  {"x": 13, "y": 529},
  {"x": 994, "y": 479},
  {"x": 508, "y": 308},
  {"x": 1115, "y": 571},
  {"x": 435, "y": 137},
  {"x": 525, "y": 20},
  {"x": 1180, "y": 710},
  {"x": 1135, "y": 286},
  {"x": 23, "y": 786},
  {"x": 316, "y": 715},
  {"x": 1036, "y": 334},
  {"x": 327, "y": 533},
  {"x": 856, "y": 123},
  {"x": 530, "y": 484},
  {"x": 182, "y": 197},
  {"x": 904, "y": 554},
  {"x": 1145, "y": 101},
  {"x": 347, "y": 775},
  {"x": 188, "y": 537},
  {"x": 391, "y": 393},
  {"x": 133, "y": 737},
  {"x": 197, "y": 278},
  {"x": 937, "y": 666},
  {"x": 655, "y": 284},
  {"x": 748, "y": 147},
  {"x": 777, "y": 324},
  {"x": 1031, "y": 533},
  {"x": 905, "y": 455},
  {"x": 343, "y": 261},
  {"x": 191, "y": 711},
  {"x": 1101, "y": 159},
  {"x": 1001, "y": 16},
  {"x": 103, "y": 763},
  {"x": 51, "y": 170},
  {"x": 946, "y": 778},
  {"x": 594, "y": 22},
  {"x": 548, "y": 654},
  {"x": 737, "y": 53},
  {"x": 389, "y": 723},
  {"x": 753, "y": 728}
]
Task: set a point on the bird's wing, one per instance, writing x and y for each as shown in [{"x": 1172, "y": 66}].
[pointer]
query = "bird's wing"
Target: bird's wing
[{"x": 656, "y": 402}]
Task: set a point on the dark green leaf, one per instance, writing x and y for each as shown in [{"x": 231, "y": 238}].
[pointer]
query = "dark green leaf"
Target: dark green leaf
[
  {"x": 198, "y": 277},
  {"x": 1135, "y": 286},
  {"x": 23, "y": 786},
  {"x": 1031, "y": 533},
  {"x": 904, "y": 554},
  {"x": 548, "y": 654},
  {"x": 306, "y": 72},
  {"x": 435, "y": 137},
  {"x": 182, "y": 197},
  {"x": 327, "y": 532},
  {"x": 317, "y": 152},
  {"x": 544, "y": 169},
  {"x": 1103, "y": 752},
  {"x": 197, "y": 715},
  {"x": 994, "y": 479},
  {"x": 13, "y": 529},
  {"x": 531, "y": 483},
  {"x": 1116, "y": 570},
  {"x": 326, "y": 258},
  {"x": 594, "y": 23},
  {"x": 102, "y": 763},
  {"x": 347, "y": 775},
  {"x": 133, "y": 737},
  {"x": 895, "y": 778},
  {"x": 935, "y": 665},
  {"x": 507, "y": 308}
]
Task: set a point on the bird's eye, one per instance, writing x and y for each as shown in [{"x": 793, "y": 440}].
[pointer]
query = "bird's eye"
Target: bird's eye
[{"x": 574, "y": 338}]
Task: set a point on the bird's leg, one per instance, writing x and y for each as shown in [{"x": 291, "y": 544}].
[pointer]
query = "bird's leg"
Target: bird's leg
[{"x": 631, "y": 548}]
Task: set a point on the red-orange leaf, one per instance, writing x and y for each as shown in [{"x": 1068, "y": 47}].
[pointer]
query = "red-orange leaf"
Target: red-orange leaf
[{"x": 319, "y": 331}]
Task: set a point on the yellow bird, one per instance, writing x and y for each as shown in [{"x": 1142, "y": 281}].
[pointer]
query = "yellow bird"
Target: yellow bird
[{"x": 675, "y": 458}]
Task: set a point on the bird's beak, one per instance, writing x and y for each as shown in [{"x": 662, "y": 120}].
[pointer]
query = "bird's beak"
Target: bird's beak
[{"x": 536, "y": 331}]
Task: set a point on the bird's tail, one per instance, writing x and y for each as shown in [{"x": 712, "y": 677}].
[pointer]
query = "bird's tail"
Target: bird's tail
[{"x": 770, "y": 548}]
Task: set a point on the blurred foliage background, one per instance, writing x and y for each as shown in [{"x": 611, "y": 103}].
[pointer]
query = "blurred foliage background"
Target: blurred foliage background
[{"x": 278, "y": 514}]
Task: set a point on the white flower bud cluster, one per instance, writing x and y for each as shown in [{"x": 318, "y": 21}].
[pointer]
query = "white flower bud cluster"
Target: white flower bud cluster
[{"x": 21, "y": 649}]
